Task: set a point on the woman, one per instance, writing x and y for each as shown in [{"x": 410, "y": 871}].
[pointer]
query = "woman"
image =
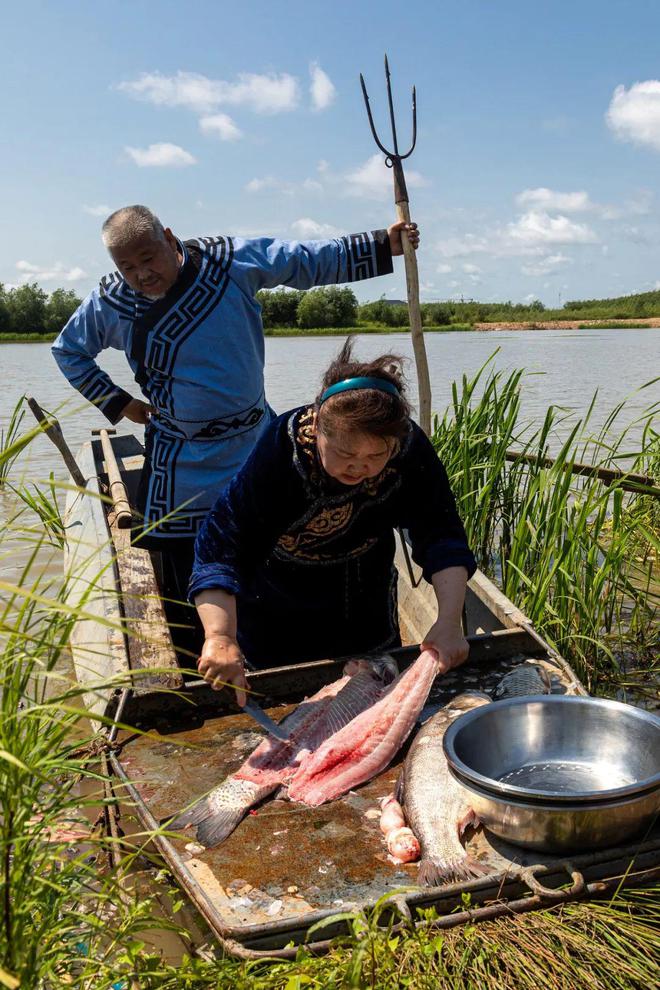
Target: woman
[{"x": 295, "y": 561}]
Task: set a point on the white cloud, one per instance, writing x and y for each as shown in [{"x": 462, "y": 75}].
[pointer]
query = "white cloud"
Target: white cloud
[
  {"x": 287, "y": 188},
  {"x": 455, "y": 247},
  {"x": 160, "y": 155},
  {"x": 306, "y": 227},
  {"x": 220, "y": 125},
  {"x": 537, "y": 227},
  {"x": 98, "y": 211},
  {"x": 322, "y": 89},
  {"x": 374, "y": 180},
  {"x": 529, "y": 235},
  {"x": 256, "y": 185},
  {"x": 471, "y": 269},
  {"x": 546, "y": 266},
  {"x": 268, "y": 93},
  {"x": 548, "y": 199},
  {"x": 530, "y": 297},
  {"x": 634, "y": 114},
  {"x": 443, "y": 269},
  {"x": 57, "y": 272}
]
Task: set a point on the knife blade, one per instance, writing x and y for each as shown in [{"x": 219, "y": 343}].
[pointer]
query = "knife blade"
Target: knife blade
[{"x": 252, "y": 709}]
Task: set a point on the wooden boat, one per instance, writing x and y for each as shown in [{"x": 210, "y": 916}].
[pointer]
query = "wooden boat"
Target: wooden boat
[{"x": 286, "y": 867}]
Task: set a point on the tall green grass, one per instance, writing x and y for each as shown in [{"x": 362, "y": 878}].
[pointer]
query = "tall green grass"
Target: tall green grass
[
  {"x": 565, "y": 548},
  {"x": 9, "y": 448},
  {"x": 67, "y": 919}
]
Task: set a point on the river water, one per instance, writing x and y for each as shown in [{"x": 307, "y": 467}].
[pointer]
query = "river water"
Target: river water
[{"x": 564, "y": 367}]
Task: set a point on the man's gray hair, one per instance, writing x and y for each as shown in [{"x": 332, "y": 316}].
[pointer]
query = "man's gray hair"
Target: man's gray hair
[{"x": 126, "y": 225}]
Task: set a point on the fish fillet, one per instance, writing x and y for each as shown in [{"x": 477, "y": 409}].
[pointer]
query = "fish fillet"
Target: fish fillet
[
  {"x": 369, "y": 742},
  {"x": 273, "y": 762}
]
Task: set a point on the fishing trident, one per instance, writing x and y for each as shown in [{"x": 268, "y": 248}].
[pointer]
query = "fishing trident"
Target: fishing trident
[{"x": 393, "y": 160}]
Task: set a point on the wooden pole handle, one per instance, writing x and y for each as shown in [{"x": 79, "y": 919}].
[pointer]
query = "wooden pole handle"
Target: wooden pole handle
[
  {"x": 415, "y": 315},
  {"x": 53, "y": 430},
  {"x": 118, "y": 494}
]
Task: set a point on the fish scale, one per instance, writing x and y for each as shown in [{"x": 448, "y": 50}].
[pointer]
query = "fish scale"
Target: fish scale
[{"x": 435, "y": 804}]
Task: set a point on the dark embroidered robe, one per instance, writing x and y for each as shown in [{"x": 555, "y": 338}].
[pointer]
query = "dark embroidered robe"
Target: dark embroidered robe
[{"x": 310, "y": 559}]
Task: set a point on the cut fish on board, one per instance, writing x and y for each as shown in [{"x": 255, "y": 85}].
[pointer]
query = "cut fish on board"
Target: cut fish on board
[
  {"x": 273, "y": 762},
  {"x": 370, "y": 741}
]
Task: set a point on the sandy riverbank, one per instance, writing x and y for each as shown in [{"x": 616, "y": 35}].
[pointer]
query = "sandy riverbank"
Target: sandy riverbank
[{"x": 653, "y": 322}]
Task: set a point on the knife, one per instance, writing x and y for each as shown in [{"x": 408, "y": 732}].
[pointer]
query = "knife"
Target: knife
[{"x": 252, "y": 709}]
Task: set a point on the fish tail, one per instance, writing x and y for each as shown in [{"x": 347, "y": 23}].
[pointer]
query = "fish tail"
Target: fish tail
[
  {"x": 218, "y": 825},
  {"x": 214, "y": 825},
  {"x": 191, "y": 816},
  {"x": 433, "y": 873}
]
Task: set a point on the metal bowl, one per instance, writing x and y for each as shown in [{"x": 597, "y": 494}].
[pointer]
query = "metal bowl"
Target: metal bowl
[
  {"x": 558, "y": 828},
  {"x": 559, "y": 772}
]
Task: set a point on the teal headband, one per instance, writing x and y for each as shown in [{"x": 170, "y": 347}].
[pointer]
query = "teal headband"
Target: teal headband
[{"x": 349, "y": 384}]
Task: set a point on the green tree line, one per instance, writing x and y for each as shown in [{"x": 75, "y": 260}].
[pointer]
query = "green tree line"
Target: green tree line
[
  {"x": 338, "y": 307},
  {"x": 27, "y": 309}
]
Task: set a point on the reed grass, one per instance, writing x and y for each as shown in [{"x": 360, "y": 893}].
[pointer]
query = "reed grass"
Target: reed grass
[
  {"x": 67, "y": 920},
  {"x": 564, "y": 548},
  {"x": 9, "y": 449}
]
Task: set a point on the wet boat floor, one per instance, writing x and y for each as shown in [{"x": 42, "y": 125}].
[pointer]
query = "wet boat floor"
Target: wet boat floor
[{"x": 285, "y": 860}]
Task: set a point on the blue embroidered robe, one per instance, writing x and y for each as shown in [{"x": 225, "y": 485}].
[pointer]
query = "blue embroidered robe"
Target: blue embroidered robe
[
  {"x": 310, "y": 560},
  {"x": 198, "y": 355}
]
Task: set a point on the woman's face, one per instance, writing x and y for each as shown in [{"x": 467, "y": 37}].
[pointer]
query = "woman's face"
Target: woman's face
[{"x": 353, "y": 457}]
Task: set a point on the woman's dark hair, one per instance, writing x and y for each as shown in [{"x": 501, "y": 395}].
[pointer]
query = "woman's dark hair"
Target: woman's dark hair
[{"x": 364, "y": 410}]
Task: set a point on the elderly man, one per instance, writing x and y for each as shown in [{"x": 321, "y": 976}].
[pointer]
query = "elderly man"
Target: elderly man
[{"x": 186, "y": 316}]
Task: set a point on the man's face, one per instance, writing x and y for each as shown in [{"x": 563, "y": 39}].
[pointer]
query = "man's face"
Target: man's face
[{"x": 149, "y": 265}]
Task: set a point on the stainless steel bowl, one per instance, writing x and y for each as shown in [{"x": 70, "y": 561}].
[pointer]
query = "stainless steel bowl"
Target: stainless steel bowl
[
  {"x": 559, "y": 772},
  {"x": 558, "y": 828}
]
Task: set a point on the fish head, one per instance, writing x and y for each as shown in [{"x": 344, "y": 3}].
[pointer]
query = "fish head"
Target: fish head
[
  {"x": 384, "y": 667},
  {"x": 466, "y": 701}
]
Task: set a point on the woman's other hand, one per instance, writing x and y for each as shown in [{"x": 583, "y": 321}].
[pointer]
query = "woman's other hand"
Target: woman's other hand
[
  {"x": 221, "y": 662},
  {"x": 448, "y": 642}
]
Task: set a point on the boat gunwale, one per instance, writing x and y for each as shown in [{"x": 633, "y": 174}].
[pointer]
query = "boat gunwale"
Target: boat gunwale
[{"x": 500, "y": 884}]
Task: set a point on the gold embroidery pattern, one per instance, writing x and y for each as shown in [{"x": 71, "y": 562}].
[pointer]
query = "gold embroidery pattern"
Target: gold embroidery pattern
[
  {"x": 328, "y": 522},
  {"x": 331, "y": 515}
]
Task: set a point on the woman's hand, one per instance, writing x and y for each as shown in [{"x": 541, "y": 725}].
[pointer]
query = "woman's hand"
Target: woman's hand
[
  {"x": 221, "y": 662},
  {"x": 394, "y": 234},
  {"x": 448, "y": 642}
]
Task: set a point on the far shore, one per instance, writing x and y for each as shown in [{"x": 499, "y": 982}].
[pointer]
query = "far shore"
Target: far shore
[{"x": 652, "y": 322}]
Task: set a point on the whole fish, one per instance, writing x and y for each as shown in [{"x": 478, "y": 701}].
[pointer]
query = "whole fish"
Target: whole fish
[
  {"x": 365, "y": 746},
  {"x": 437, "y": 808},
  {"x": 273, "y": 763},
  {"x": 527, "y": 678}
]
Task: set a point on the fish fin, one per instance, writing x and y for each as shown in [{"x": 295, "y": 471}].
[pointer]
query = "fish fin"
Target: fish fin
[
  {"x": 215, "y": 826},
  {"x": 469, "y": 820},
  {"x": 400, "y": 788},
  {"x": 433, "y": 874},
  {"x": 191, "y": 816}
]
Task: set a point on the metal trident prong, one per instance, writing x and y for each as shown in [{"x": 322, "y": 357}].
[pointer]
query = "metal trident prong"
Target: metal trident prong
[{"x": 394, "y": 158}]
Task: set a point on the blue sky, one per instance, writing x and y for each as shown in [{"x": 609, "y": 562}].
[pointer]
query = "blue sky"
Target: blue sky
[{"x": 536, "y": 172}]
